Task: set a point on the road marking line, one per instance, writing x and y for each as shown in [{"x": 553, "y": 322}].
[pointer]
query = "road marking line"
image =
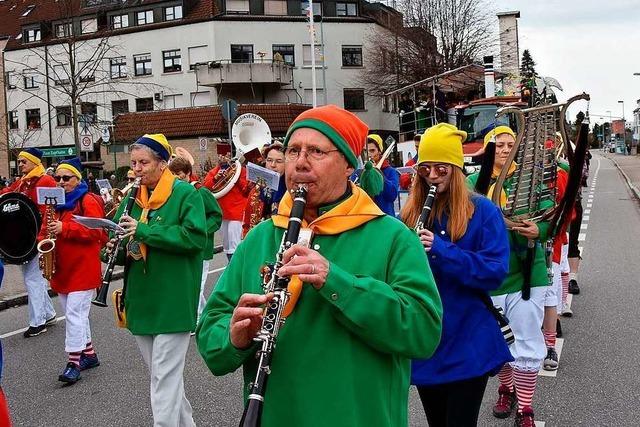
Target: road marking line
[
  {"x": 585, "y": 218},
  {"x": 589, "y": 205},
  {"x": 581, "y": 249},
  {"x": 582, "y": 237},
  {"x": 586, "y": 212},
  {"x": 553, "y": 374},
  {"x": 216, "y": 270},
  {"x": 540, "y": 423},
  {"x": 19, "y": 331},
  {"x": 583, "y": 226}
]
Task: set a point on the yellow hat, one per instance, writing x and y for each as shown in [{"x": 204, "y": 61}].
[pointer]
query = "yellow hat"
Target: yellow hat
[
  {"x": 442, "y": 143},
  {"x": 498, "y": 130},
  {"x": 131, "y": 174},
  {"x": 377, "y": 140}
]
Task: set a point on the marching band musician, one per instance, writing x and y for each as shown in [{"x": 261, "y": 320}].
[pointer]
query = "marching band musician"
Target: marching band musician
[
  {"x": 468, "y": 251},
  {"x": 406, "y": 178},
  {"x": 518, "y": 378},
  {"x": 183, "y": 169},
  {"x": 343, "y": 357},
  {"x": 385, "y": 200},
  {"x": 163, "y": 267},
  {"x": 232, "y": 205},
  {"x": 76, "y": 246},
  {"x": 264, "y": 201},
  {"x": 41, "y": 311}
]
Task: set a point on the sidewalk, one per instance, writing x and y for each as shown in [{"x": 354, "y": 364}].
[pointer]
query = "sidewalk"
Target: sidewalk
[{"x": 630, "y": 168}]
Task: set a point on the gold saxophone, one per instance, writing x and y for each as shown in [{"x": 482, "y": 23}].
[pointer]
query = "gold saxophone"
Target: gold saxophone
[
  {"x": 256, "y": 208},
  {"x": 47, "y": 247}
]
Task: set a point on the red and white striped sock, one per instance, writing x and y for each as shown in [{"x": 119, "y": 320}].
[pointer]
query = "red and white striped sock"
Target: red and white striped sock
[
  {"x": 506, "y": 376},
  {"x": 75, "y": 357},
  {"x": 565, "y": 286},
  {"x": 89, "y": 351},
  {"x": 550, "y": 338},
  {"x": 525, "y": 382}
]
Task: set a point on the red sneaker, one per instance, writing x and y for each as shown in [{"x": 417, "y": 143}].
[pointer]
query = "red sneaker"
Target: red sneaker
[
  {"x": 525, "y": 418},
  {"x": 506, "y": 402}
]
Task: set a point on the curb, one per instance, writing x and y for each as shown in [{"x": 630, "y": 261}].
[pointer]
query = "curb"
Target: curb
[
  {"x": 22, "y": 299},
  {"x": 633, "y": 188}
]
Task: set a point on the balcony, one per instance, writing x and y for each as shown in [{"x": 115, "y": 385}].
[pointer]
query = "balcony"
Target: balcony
[{"x": 266, "y": 72}]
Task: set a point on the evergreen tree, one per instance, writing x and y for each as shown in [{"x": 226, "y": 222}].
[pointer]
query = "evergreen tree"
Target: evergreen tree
[{"x": 528, "y": 74}]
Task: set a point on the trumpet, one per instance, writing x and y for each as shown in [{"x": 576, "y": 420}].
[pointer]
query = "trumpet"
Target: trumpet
[{"x": 47, "y": 247}]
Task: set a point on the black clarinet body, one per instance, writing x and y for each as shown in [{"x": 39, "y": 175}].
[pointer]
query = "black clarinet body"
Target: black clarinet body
[
  {"x": 273, "y": 320},
  {"x": 101, "y": 297},
  {"x": 426, "y": 208}
]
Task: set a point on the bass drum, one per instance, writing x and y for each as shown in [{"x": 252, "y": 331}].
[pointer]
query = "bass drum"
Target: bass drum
[{"x": 19, "y": 226}]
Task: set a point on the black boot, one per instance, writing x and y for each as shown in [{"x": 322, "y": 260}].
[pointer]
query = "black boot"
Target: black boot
[
  {"x": 573, "y": 287},
  {"x": 558, "y": 329}
]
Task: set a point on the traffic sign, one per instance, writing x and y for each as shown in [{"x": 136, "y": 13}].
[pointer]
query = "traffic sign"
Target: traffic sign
[
  {"x": 229, "y": 109},
  {"x": 86, "y": 142},
  {"x": 106, "y": 135},
  {"x": 203, "y": 143},
  {"x": 58, "y": 152}
]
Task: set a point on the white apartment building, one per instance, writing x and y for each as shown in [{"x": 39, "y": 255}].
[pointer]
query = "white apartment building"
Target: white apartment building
[{"x": 141, "y": 56}]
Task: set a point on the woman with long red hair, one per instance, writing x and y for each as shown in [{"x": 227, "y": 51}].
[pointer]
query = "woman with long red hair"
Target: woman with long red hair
[{"x": 468, "y": 252}]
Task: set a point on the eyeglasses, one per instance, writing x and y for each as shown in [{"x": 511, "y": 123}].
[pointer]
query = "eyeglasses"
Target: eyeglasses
[
  {"x": 292, "y": 153},
  {"x": 65, "y": 178},
  {"x": 440, "y": 169},
  {"x": 276, "y": 161},
  {"x": 22, "y": 162}
]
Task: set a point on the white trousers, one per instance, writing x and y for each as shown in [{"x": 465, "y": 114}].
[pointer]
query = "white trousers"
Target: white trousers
[
  {"x": 231, "y": 235},
  {"x": 165, "y": 355},
  {"x": 40, "y": 305},
  {"x": 76, "y": 306},
  {"x": 205, "y": 273},
  {"x": 525, "y": 318}
]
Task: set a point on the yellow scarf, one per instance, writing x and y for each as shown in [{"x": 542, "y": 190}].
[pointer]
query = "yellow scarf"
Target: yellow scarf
[
  {"x": 38, "y": 171},
  {"x": 494, "y": 175},
  {"x": 159, "y": 197},
  {"x": 349, "y": 214}
]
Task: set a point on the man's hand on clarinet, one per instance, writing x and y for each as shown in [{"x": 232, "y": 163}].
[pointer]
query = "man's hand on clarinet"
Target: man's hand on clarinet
[
  {"x": 246, "y": 319},
  {"x": 309, "y": 265},
  {"x": 129, "y": 225},
  {"x": 110, "y": 245}
]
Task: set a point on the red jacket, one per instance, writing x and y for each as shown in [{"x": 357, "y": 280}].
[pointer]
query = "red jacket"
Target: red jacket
[
  {"x": 405, "y": 178},
  {"x": 77, "y": 250},
  {"x": 234, "y": 202},
  {"x": 562, "y": 239},
  {"x": 28, "y": 188}
]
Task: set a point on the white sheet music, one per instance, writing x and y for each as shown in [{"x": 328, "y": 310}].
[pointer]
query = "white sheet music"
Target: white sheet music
[
  {"x": 96, "y": 223},
  {"x": 50, "y": 195},
  {"x": 271, "y": 178}
]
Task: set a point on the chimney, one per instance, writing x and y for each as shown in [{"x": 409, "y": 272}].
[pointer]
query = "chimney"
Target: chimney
[{"x": 489, "y": 77}]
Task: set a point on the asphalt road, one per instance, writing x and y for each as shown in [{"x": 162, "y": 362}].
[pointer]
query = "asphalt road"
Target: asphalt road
[{"x": 597, "y": 383}]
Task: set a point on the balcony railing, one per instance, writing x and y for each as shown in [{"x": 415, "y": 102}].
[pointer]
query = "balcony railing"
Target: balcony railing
[{"x": 227, "y": 71}]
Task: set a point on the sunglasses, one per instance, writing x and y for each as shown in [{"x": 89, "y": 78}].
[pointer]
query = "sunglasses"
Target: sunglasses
[
  {"x": 425, "y": 170},
  {"x": 65, "y": 178}
]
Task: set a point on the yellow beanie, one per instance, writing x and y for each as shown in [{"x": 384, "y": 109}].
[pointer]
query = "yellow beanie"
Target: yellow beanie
[
  {"x": 499, "y": 130},
  {"x": 377, "y": 140},
  {"x": 442, "y": 143}
]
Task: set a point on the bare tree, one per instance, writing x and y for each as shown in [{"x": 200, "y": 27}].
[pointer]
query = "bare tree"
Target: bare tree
[
  {"x": 80, "y": 69},
  {"x": 463, "y": 28}
]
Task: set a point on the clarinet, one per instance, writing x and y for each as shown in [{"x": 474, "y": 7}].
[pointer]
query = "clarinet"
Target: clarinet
[
  {"x": 273, "y": 320},
  {"x": 101, "y": 297},
  {"x": 426, "y": 208}
]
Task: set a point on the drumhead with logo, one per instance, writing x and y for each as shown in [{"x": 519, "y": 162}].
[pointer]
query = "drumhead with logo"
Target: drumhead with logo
[{"x": 19, "y": 226}]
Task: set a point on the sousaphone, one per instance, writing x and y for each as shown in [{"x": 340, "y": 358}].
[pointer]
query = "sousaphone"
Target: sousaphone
[{"x": 249, "y": 132}]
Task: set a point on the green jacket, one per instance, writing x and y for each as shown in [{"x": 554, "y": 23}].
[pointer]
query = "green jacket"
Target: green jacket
[
  {"x": 343, "y": 355},
  {"x": 213, "y": 214},
  {"x": 515, "y": 279},
  {"x": 161, "y": 296}
]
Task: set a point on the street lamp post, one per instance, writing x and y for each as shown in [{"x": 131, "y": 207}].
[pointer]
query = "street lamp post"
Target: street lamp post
[{"x": 624, "y": 131}]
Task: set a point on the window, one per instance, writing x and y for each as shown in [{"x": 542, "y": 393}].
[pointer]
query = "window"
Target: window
[
  {"x": 13, "y": 119},
  {"x": 119, "y": 107},
  {"x": 60, "y": 75},
  {"x": 275, "y": 7},
  {"x": 200, "y": 99},
  {"x": 119, "y": 21},
  {"x": 306, "y": 55},
  {"x": 33, "y": 118},
  {"x": 10, "y": 80},
  {"x": 142, "y": 64},
  {"x": 118, "y": 67},
  {"x": 304, "y": 8},
  {"x": 88, "y": 26},
  {"x": 172, "y": 61},
  {"x": 86, "y": 71},
  {"x": 173, "y": 12},
  {"x": 31, "y": 35},
  {"x": 242, "y": 53},
  {"x": 197, "y": 54},
  {"x": 286, "y": 52},
  {"x": 90, "y": 111},
  {"x": 64, "y": 30},
  {"x": 144, "y": 104},
  {"x": 30, "y": 81},
  {"x": 237, "y": 6},
  {"x": 352, "y": 56},
  {"x": 346, "y": 9},
  {"x": 63, "y": 116},
  {"x": 353, "y": 99},
  {"x": 145, "y": 17},
  {"x": 172, "y": 101}
]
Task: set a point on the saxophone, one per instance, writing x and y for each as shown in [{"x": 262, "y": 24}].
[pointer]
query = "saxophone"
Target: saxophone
[
  {"x": 46, "y": 247},
  {"x": 256, "y": 208}
]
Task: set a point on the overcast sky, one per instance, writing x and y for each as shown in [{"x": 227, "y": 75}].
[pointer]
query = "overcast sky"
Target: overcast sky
[{"x": 588, "y": 45}]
